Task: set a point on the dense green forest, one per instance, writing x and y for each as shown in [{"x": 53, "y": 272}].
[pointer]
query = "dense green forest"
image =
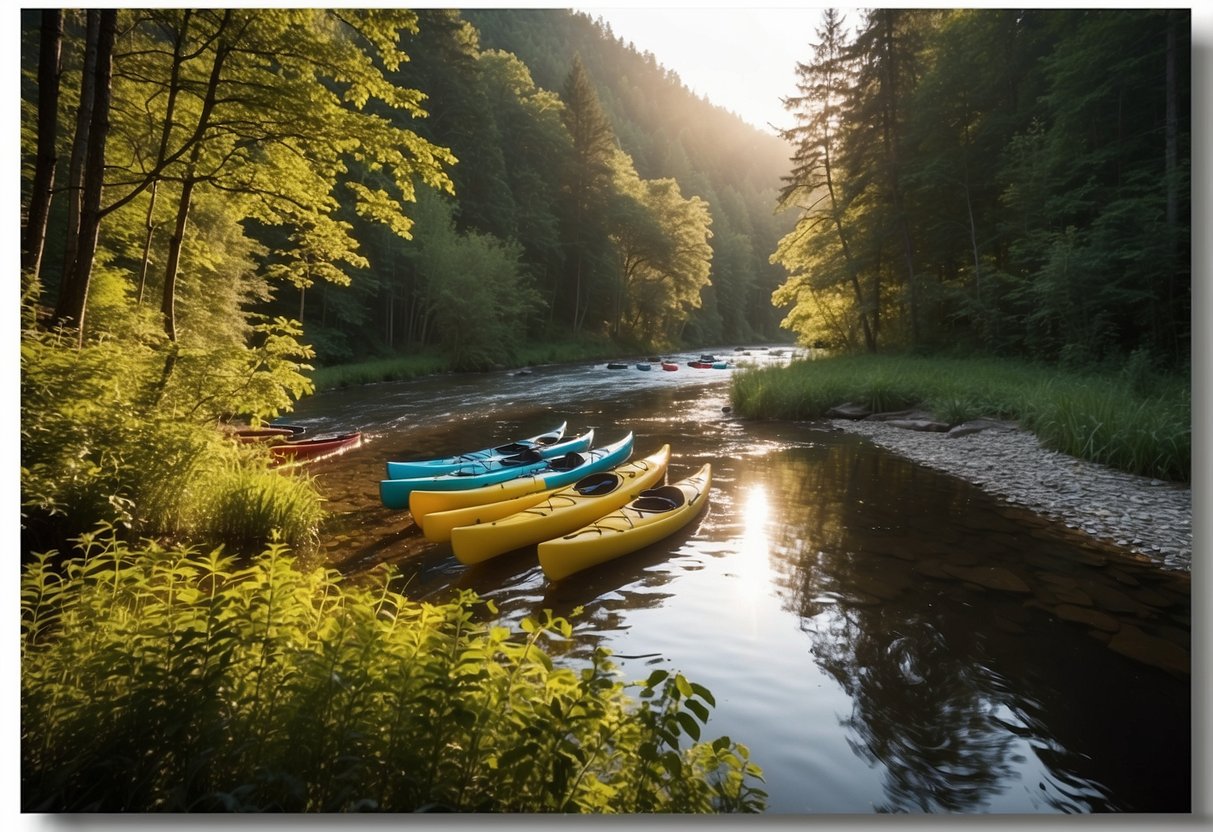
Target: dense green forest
[
  {"x": 570, "y": 203},
  {"x": 1011, "y": 181}
]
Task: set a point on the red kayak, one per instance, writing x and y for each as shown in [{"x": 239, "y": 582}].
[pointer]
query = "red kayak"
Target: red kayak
[{"x": 308, "y": 450}]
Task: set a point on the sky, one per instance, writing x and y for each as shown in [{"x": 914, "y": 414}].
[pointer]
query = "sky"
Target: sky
[{"x": 741, "y": 59}]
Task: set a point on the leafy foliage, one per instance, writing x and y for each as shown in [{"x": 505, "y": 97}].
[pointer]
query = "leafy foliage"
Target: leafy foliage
[
  {"x": 106, "y": 439},
  {"x": 173, "y": 680}
]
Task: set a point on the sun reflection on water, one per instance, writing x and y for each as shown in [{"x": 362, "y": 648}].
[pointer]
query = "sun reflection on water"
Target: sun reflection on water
[{"x": 753, "y": 554}]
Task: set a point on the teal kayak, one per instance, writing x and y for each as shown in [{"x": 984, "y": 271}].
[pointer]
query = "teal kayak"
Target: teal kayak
[
  {"x": 548, "y": 444},
  {"x": 555, "y": 472}
]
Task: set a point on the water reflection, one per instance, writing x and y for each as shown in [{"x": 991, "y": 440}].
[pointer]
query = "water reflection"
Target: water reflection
[
  {"x": 882, "y": 637},
  {"x": 936, "y": 642}
]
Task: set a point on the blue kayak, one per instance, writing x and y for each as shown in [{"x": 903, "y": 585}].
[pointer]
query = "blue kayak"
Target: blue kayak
[
  {"x": 555, "y": 472},
  {"x": 548, "y": 444}
]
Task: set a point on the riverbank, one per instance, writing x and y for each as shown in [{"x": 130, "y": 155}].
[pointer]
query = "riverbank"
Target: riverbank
[
  {"x": 1131, "y": 418},
  {"x": 404, "y": 367},
  {"x": 1142, "y": 514}
]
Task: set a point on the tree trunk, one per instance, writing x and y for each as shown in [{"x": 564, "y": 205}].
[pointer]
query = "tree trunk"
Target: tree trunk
[
  {"x": 166, "y": 128},
  {"x": 74, "y": 295},
  {"x": 75, "y": 171},
  {"x": 49, "y": 71},
  {"x": 173, "y": 260},
  {"x": 149, "y": 230}
]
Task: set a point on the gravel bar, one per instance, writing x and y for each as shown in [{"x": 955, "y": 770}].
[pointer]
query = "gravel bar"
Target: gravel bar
[{"x": 1144, "y": 515}]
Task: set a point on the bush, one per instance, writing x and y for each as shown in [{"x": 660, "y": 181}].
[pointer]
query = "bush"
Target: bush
[
  {"x": 104, "y": 439},
  {"x": 174, "y": 681}
]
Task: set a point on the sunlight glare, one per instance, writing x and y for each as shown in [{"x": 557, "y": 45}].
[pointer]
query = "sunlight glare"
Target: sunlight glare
[{"x": 754, "y": 552}]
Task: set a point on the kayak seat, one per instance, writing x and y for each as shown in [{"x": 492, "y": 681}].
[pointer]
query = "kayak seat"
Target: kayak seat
[
  {"x": 527, "y": 457},
  {"x": 567, "y": 462},
  {"x": 596, "y": 484},
  {"x": 665, "y": 498}
]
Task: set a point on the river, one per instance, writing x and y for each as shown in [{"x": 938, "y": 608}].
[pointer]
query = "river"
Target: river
[{"x": 882, "y": 637}]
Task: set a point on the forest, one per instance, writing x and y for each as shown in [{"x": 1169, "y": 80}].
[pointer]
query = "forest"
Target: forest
[
  {"x": 218, "y": 203},
  {"x": 543, "y": 210},
  {"x": 1015, "y": 182}
]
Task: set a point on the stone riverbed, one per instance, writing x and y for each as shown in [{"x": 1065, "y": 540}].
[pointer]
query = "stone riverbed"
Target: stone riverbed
[{"x": 1143, "y": 515}]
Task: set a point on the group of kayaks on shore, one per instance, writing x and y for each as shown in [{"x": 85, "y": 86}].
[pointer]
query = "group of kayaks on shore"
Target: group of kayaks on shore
[
  {"x": 579, "y": 505},
  {"x": 287, "y": 444},
  {"x": 704, "y": 362}
]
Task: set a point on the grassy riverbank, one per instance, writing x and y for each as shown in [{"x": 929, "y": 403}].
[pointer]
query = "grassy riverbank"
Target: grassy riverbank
[
  {"x": 400, "y": 368},
  {"x": 1133, "y": 419}
]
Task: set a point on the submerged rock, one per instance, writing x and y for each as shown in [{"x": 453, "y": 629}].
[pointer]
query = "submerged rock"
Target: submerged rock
[{"x": 1147, "y": 649}]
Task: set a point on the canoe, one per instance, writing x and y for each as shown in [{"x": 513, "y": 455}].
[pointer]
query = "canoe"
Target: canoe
[
  {"x": 669, "y": 366},
  {"x": 548, "y": 444},
  {"x": 654, "y": 515},
  {"x": 309, "y": 450},
  {"x": 424, "y": 500},
  {"x": 561, "y": 512}
]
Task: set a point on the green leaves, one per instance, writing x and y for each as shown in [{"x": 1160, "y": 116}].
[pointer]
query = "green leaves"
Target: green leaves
[{"x": 171, "y": 680}]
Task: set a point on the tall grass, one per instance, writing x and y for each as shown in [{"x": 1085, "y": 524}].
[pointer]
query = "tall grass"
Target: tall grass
[
  {"x": 168, "y": 680},
  {"x": 395, "y": 368},
  {"x": 400, "y": 368},
  {"x": 1112, "y": 418}
]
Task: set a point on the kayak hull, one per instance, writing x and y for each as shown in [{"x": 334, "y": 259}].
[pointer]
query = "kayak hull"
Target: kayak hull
[
  {"x": 544, "y": 443},
  {"x": 556, "y": 514},
  {"x": 438, "y": 525},
  {"x": 636, "y": 525},
  {"x": 394, "y": 493},
  {"x": 309, "y": 450}
]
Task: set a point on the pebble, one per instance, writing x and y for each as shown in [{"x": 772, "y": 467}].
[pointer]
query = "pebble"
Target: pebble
[{"x": 1143, "y": 514}]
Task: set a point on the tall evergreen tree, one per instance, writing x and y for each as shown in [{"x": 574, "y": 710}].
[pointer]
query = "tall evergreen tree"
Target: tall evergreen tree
[
  {"x": 587, "y": 182},
  {"x": 820, "y": 253}
]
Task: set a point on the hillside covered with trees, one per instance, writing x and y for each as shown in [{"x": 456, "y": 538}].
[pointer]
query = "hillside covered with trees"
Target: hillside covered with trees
[{"x": 384, "y": 213}]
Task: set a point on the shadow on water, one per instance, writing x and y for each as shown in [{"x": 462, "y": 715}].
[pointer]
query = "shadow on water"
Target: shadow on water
[{"x": 882, "y": 636}]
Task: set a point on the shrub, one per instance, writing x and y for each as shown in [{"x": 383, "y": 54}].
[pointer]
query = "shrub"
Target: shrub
[
  {"x": 105, "y": 440},
  {"x": 175, "y": 681}
]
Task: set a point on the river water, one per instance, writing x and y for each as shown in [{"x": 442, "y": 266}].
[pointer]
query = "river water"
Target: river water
[{"x": 882, "y": 637}]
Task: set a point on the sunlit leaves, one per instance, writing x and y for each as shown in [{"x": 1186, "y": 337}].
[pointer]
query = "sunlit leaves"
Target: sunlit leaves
[{"x": 220, "y": 686}]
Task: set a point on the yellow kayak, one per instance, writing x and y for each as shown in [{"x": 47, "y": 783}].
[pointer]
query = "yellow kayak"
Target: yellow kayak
[
  {"x": 437, "y": 525},
  {"x": 423, "y": 501},
  {"x": 652, "y": 516},
  {"x": 488, "y": 533}
]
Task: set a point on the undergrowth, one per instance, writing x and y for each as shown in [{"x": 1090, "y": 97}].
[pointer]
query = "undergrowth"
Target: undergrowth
[{"x": 171, "y": 680}]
